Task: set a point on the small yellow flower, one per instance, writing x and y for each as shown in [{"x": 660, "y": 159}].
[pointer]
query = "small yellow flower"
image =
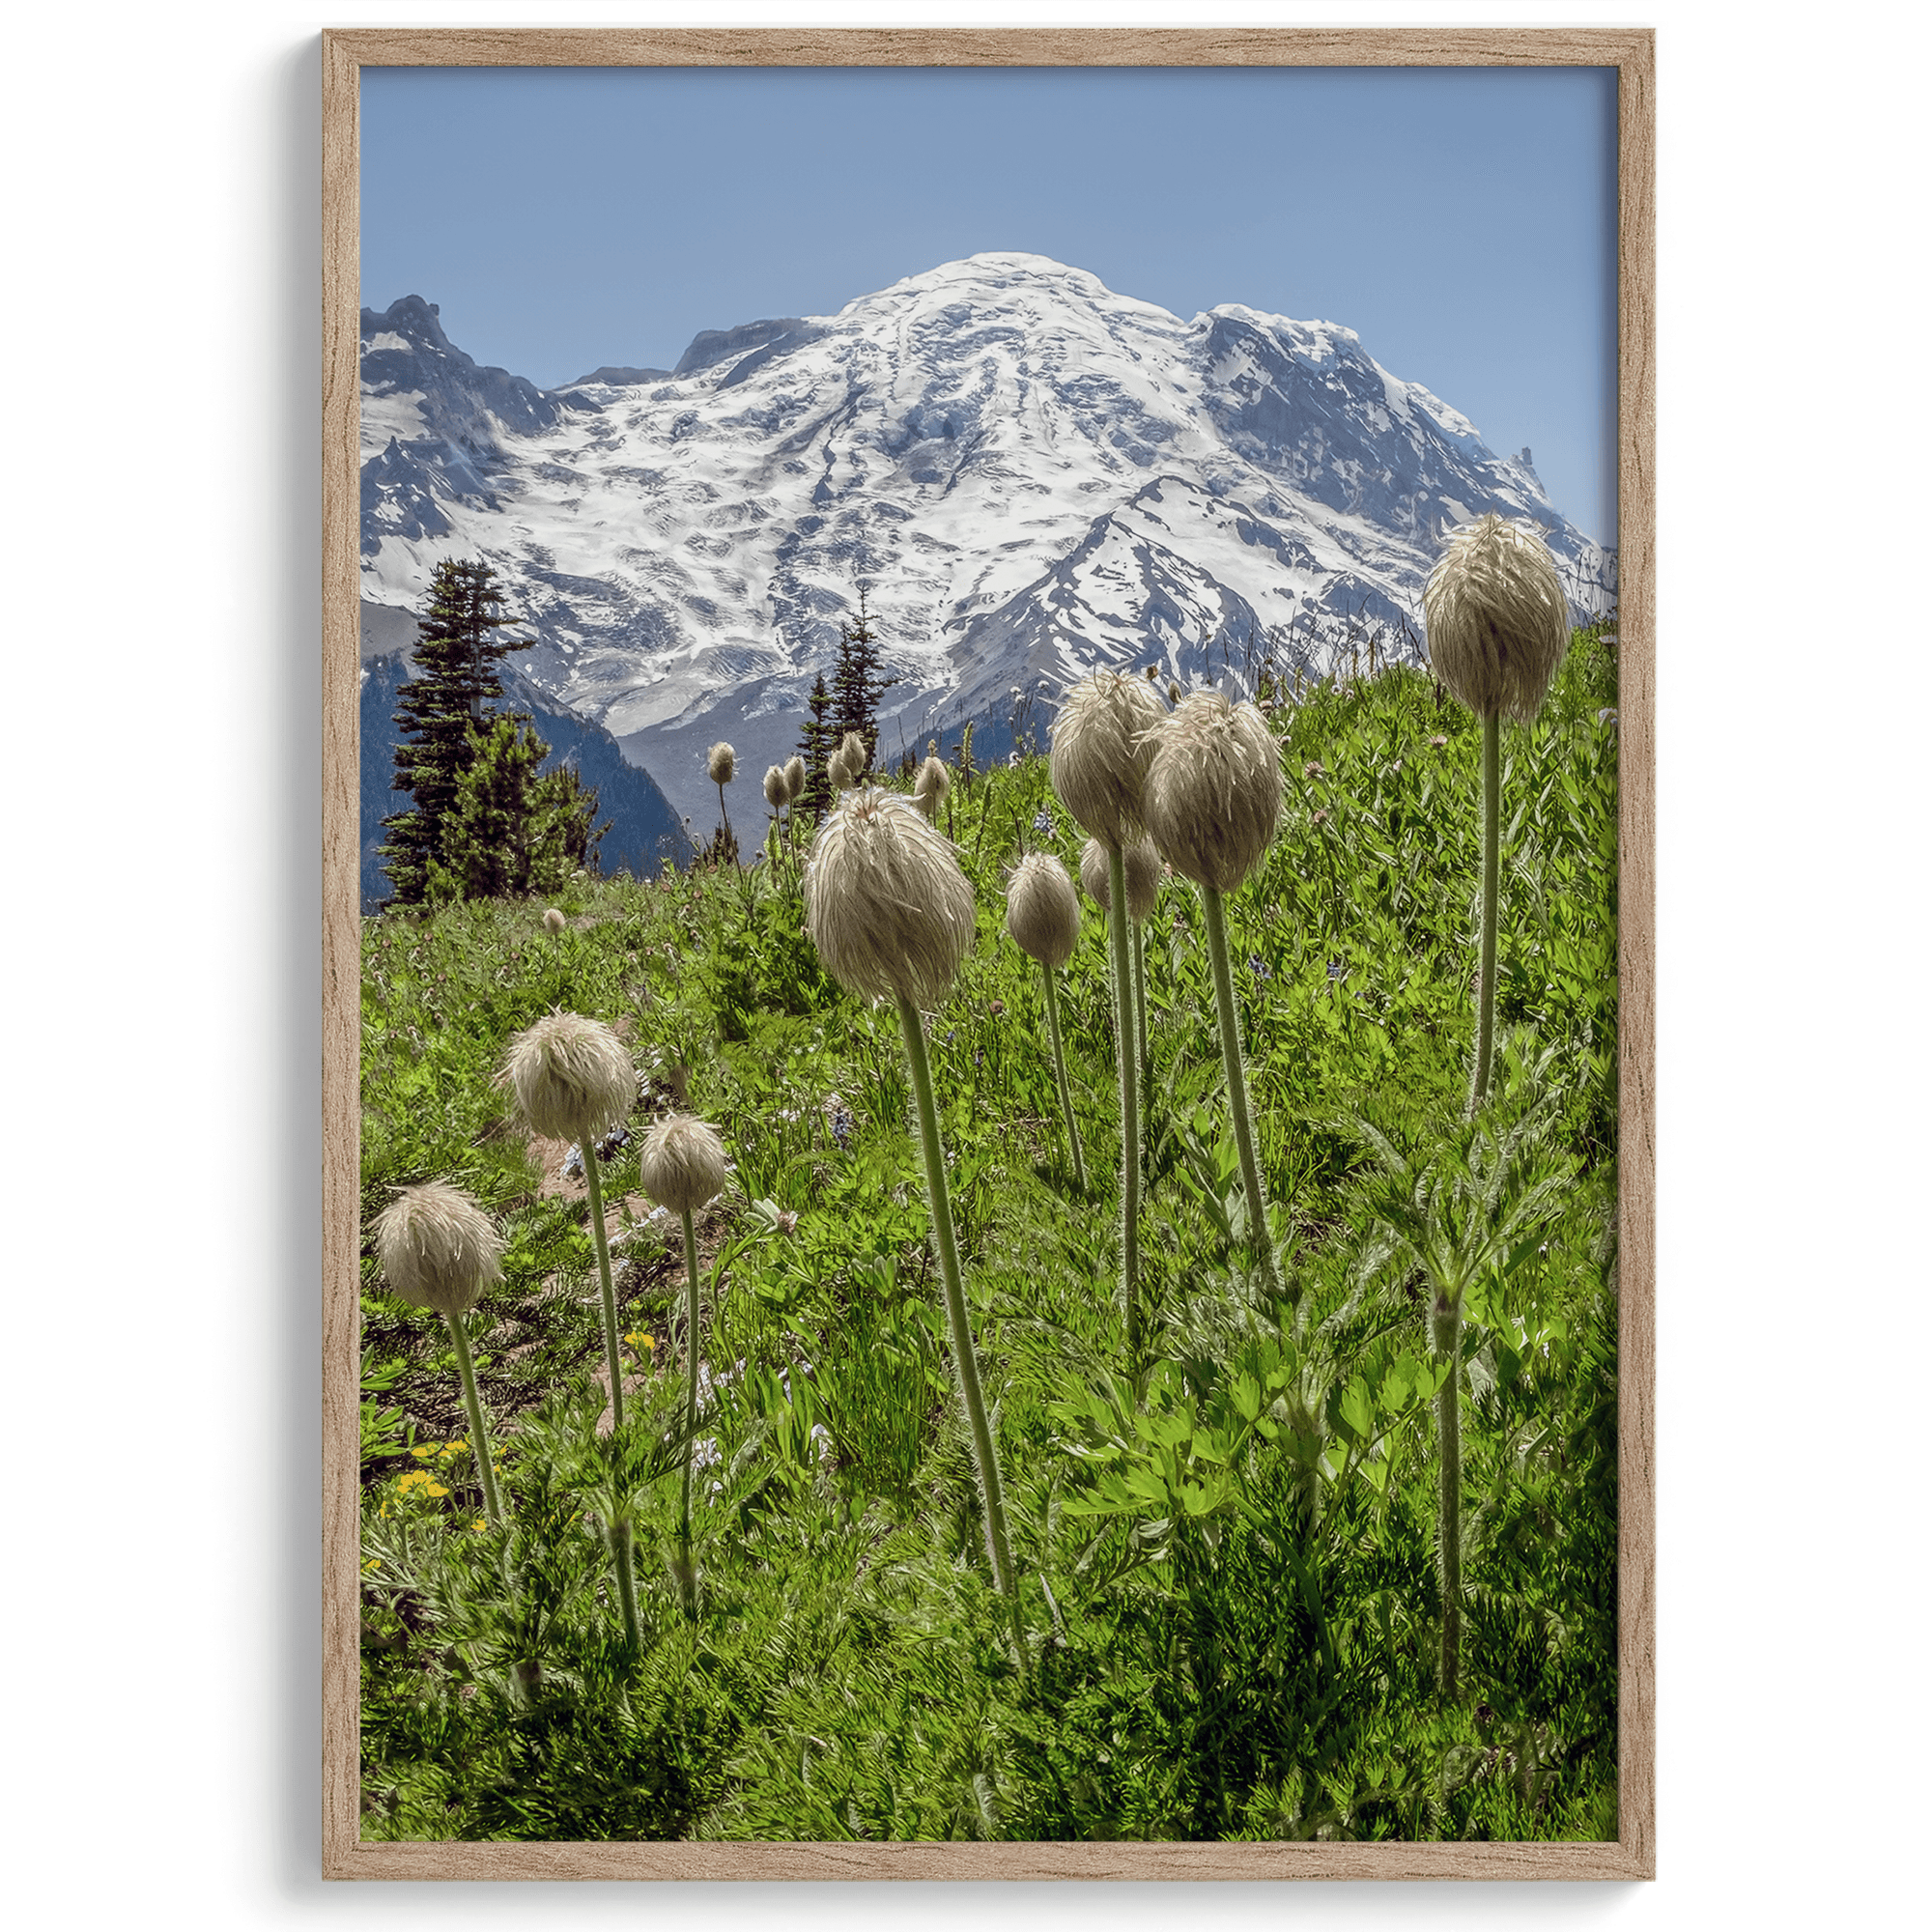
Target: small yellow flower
[
  {"x": 481, "y": 1522},
  {"x": 641, "y": 1341},
  {"x": 436, "y": 1490},
  {"x": 424, "y": 1450},
  {"x": 370, "y": 1563}
]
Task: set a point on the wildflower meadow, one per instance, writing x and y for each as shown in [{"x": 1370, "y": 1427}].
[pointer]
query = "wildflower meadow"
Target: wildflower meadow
[{"x": 1070, "y": 1299}]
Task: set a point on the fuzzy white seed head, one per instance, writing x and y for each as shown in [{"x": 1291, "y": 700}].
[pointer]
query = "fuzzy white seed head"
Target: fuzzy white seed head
[
  {"x": 1093, "y": 876},
  {"x": 1143, "y": 868},
  {"x": 437, "y": 1247},
  {"x": 852, "y": 748},
  {"x": 794, "y": 776},
  {"x": 681, "y": 1163},
  {"x": 553, "y": 921},
  {"x": 885, "y": 900},
  {"x": 1044, "y": 910},
  {"x": 839, "y": 773},
  {"x": 1213, "y": 790},
  {"x": 776, "y": 794},
  {"x": 572, "y": 1078},
  {"x": 721, "y": 763},
  {"x": 1100, "y": 754},
  {"x": 930, "y": 788},
  {"x": 1497, "y": 618}
]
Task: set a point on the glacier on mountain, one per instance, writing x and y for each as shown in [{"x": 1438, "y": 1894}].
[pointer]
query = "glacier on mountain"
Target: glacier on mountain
[{"x": 1032, "y": 475}]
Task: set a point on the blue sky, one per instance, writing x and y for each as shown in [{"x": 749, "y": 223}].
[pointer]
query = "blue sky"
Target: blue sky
[{"x": 1461, "y": 220}]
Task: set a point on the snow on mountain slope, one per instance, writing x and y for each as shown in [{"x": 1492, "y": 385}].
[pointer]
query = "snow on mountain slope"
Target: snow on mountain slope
[{"x": 1032, "y": 473}]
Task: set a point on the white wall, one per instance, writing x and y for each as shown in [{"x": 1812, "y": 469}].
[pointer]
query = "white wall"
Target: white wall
[{"x": 161, "y": 358}]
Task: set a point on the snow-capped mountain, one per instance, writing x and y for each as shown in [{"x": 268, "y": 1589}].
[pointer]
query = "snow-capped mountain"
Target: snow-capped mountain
[{"x": 1032, "y": 475}]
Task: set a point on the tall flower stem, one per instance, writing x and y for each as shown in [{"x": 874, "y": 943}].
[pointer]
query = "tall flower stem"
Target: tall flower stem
[
  {"x": 1448, "y": 1327},
  {"x": 685, "y": 1571},
  {"x": 964, "y": 1358},
  {"x": 1486, "y": 997},
  {"x": 620, "y": 1530},
  {"x": 731, "y": 844},
  {"x": 1059, "y": 1075},
  {"x": 1127, "y": 1050},
  {"x": 1144, "y": 1058},
  {"x": 1216, "y": 923},
  {"x": 472, "y": 1404},
  {"x": 1140, "y": 1006},
  {"x": 613, "y": 1360}
]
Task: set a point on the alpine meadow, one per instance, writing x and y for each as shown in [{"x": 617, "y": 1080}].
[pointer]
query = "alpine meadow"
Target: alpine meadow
[
  {"x": 990, "y": 1090},
  {"x": 872, "y": 1295}
]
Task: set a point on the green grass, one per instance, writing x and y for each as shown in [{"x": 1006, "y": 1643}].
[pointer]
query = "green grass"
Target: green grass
[{"x": 1226, "y": 1552}]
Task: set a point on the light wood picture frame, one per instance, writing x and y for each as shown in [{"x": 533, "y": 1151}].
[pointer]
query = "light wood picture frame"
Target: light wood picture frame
[{"x": 1630, "y": 52}]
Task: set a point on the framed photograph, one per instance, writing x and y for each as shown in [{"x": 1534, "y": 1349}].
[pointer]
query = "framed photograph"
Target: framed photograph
[{"x": 988, "y": 955}]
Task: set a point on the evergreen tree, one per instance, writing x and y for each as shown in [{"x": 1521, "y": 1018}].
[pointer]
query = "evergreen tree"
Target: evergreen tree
[
  {"x": 816, "y": 743},
  {"x": 855, "y": 683},
  {"x": 485, "y": 820},
  {"x": 436, "y": 713},
  {"x": 512, "y": 828}
]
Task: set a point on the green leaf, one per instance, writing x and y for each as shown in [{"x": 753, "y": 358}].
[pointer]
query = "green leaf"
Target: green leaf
[{"x": 1358, "y": 1410}]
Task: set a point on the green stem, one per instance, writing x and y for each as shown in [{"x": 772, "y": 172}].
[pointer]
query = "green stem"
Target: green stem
[
  {"x": 621, "y": 1530},
  {"x": 614, "y": 1361},
  {"x": 1059, "y": 1075},
  {"x": 685, "y": 1571},
  {"x": 1448, "y": 1326},
  {"x": 1486, "y": 996},
  {"x": 1140, "y": 1006},
  {"x": 1126, "y": 1047},
  {"x": 1237, "y": 1084},
  {"x": 472, "y": 1403},
  {"x": 964, "y": 1358}
]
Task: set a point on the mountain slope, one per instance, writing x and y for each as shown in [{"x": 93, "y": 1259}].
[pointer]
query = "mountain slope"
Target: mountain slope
[{"x": 1033, "y": 475}]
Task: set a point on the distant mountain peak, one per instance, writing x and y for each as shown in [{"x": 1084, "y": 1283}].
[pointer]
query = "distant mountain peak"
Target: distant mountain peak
[{"x": 1030, "y": 472}]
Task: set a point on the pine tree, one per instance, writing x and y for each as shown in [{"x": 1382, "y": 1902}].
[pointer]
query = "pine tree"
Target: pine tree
[
  {"x": 512, "y": 828},
  {"x": 855, "y": 683},
  {"x": 816, "y": 743},
  {"x": 436, "y": 713}
]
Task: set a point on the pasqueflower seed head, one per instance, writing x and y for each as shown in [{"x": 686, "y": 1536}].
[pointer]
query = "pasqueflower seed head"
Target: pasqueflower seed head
[
  {"x": 553, "y": 921},
  {"x": 1213, "y": 789},
  {"x": 681, "y": 1163},
  {"x": 852, "y": 748},
  {"x": 720, "y": 762},
  {"x": 839, "y": 773},
  {"x": 930, "y": 787},
  {"x": 1497, "y": 618},
  {"x": 794, "y": 773},
  {"x": 776, "y": 794},
  {"x": 1100, "y": 754},
  {"x": 885, "y": 901},
  {"x": 1143, "y": 868},
  {"x": 572, "y": 1078},
  {"x": 1044, "y": 910},
  {"x": 437, "y": 1247}
]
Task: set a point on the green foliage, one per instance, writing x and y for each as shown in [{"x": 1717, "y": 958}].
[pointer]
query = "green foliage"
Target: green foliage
[
  {"x": 817, "y": 740},
  {"x": 856, "y": 685},
  {"x": 511, "y": 829},
  {"x": 1226, "y": 1562},
  {"x": 483, "y": 822}
]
